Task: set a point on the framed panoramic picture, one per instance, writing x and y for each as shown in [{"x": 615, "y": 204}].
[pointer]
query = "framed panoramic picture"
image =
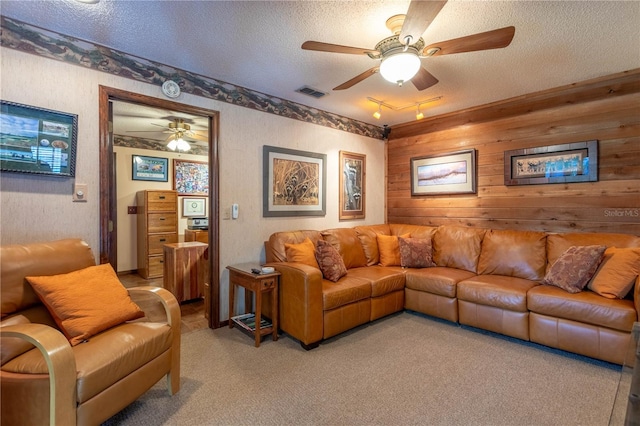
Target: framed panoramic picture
[
  {"x": 294, "y": 182},
  {"x": 194, "y": 207},
  {"x": 37, "y": 140},
  {"x": 149, "y": 168},
  {"x": 451, "y": 173},
  {"x": 573, "y": 162},
  {"x": 191, "y": 177},
  {"x": 352, "y": 186}
]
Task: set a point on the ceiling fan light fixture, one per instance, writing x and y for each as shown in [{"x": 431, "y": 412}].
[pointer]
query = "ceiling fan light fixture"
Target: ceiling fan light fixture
[{"x": 400, "y": 67}]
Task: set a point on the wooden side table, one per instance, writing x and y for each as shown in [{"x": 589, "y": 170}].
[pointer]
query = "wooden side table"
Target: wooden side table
[
  {"x": 186, "y": 269},
  {"x": 257, "y": 283}
]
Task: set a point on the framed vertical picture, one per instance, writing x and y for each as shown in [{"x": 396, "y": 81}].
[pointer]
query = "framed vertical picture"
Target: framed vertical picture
[
  {"x": 191, "y": 177},
  {"x": 149, "y": 168},
  {"x": 294, "y": 182},
  {"x": 352, "y": 185}
]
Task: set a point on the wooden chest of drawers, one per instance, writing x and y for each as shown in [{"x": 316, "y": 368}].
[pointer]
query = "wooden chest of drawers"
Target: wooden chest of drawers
[{"x": 157, "y": 226}]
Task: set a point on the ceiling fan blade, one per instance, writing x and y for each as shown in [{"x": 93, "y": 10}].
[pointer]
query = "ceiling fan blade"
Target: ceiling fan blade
[
  {"x": 424, "y": 79},
  {"x": 494, "y": 39},
  {"x": 419, "y": 17},
  {"x": 357, "y": 79},
  {"x": 336, "y": 48},
  {"x": 198, "y": 137}
]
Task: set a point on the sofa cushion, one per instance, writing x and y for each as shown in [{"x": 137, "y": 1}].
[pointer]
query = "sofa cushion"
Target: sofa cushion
[
  {"x": 275, "y": 248},
  {"x": 383, "y": 280},
  {"x": 617, "y": 273},
  {"x": 107, "y": 357},
  {"x": 573, "y": 270},
  {"x": 496, "y": 290},
  {"x": 367, "y": 236},
  {"x": 416, "y": 231},
  {"x": 347, "y": 290},
  {"x": 585, "y": 307},
  {"x": 437, "y": 280},
  {"x": 86, "y": 302},
  {"x": 346, "y": 241},
  {"x": 305, "y": 253},
  {"x": 559, "y": 243},
  {"x": 521, "y": 254},
  {"x": 415, "y": 252},
  {"x": 457, "y": 247},
  {"x": 11, "y": 347},
  {"x": 329, "y": 261}
]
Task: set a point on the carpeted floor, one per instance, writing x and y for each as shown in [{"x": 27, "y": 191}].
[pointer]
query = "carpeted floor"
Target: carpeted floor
[{"x": 402, "y": 370}]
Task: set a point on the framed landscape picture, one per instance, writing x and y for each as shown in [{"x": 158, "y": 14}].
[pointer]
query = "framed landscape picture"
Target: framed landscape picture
[
  {"x": 149, "y": 168},
  {"x": 191, "y": 177},
  {"x": 294, "y": 182},
  {"x": 451, "y": 173},
  {"x": 37, "y": 140},
  {"x": 573, "y": 162},
  {"x": 352, "y": 186}
]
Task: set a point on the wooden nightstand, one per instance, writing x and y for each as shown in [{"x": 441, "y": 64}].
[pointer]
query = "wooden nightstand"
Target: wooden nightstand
[{"x": 257, "y": 283}]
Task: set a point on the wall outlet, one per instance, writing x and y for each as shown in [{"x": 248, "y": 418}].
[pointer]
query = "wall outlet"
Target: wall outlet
[{"x": 132, "y": 209}]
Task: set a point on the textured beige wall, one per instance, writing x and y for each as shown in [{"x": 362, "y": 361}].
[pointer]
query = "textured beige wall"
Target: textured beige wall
[{"x": 39, "y": 208}]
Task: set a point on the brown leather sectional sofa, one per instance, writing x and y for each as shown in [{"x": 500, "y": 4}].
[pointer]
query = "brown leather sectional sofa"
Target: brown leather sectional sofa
[{"x": 489, "y": 279}]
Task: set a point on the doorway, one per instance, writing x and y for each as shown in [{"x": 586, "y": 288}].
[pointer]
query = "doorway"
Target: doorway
[{"x": 108, "y": 196}]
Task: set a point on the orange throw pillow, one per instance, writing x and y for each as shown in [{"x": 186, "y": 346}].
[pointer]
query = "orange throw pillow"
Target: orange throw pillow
[
  {"x": 617, "y": 273},
  {"x": 305, "y": 252},
  {"x": 389, "y": 249},
  {"x": 85, "y": 302}
]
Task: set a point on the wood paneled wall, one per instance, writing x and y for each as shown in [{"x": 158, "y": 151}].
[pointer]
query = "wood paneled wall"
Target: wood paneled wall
[{"x": 606, "y": 109}]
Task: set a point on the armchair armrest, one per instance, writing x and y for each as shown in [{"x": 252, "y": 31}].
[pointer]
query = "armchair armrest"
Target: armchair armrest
[
  {"x": 300, "y": 304},
  {"x": 172, "y": 309},
  {"x": 61, "y": 363}
]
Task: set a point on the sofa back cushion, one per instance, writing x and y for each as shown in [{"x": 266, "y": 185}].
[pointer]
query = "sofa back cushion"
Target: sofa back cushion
[
  {"x": 275, "y": 250},
  {"x": 457, "y": 247},
  {"x": 368, "y": 239},
  {"x": 521, "y": 254},
  {"x": 346, "y": 241},
  {"x": 50, "y": 258},
  {"x": 416, "y": 231},
  {"x": 559, "y": 243}
]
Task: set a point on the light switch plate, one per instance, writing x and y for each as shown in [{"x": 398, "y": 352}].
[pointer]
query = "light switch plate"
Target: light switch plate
[{"x": 80, "y": 192}]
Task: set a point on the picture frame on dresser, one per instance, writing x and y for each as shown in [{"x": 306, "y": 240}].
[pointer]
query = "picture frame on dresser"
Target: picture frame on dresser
[
  {"x": 565, "y": 163},
  {"x": 149, "y": 168},
  {"x": 443, "y": 174},
  {"x": 352, "y": 186},
  {"x": 294, "y": 182},
  {"x": 37, "y": 140}
]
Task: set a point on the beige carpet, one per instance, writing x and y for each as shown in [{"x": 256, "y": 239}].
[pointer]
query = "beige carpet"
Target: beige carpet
[{"x": 402, "y": 370}]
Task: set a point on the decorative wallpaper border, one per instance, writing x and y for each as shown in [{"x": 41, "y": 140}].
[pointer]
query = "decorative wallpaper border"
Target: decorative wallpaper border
[
  {"x": 28, "y": 38},
  {"x": 154, "y": 145}
]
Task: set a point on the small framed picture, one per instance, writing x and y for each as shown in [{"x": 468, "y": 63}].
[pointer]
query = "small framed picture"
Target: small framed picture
[
  {"x": 194, "y": 207},
  {"x": 150, "y": 168}
]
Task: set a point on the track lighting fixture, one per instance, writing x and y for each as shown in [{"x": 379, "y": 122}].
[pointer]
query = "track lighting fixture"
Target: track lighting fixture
[
  {"x": 378, "y": 114},
  {"x": 419, "y": 114}
]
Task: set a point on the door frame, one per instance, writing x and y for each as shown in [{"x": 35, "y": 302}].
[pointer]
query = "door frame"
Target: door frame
[{"x": 108, "y": 217}]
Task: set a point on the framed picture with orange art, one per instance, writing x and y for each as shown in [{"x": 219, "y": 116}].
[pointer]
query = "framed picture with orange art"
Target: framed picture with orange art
[{"x": 352, "y": 186}]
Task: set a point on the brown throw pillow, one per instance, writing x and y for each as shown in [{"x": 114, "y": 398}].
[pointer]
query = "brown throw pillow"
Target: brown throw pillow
[
  {"x": 330, "y": 261},
  {"x": 302, "y": 253},
  {"x": 85, "y": 302},
  {"x": 575, "y": 267},
  {"x": 617, "y": 273},
  {"x": 415, "y": 253}
]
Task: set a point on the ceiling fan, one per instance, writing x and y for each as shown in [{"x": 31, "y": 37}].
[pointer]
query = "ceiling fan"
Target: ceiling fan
[{"x": 401, "y": 53}]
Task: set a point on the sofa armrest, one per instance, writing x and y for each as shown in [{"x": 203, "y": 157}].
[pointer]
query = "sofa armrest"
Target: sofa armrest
[
  {"x": 636, "y": 296},
  {"x": 300, "y": 304},
  {"x": 172, "y": 309},
  {"x": 61, "y": 363}
]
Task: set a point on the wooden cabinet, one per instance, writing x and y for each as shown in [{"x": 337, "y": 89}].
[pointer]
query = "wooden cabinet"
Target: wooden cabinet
[
  {"x": 157, "y": 226},
  {"x": 186, "y": 269},
  {"x": 196, "y": 235}
]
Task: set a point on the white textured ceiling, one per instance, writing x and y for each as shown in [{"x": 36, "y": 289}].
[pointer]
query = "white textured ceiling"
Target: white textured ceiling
[{"x": 257, "y": 45}]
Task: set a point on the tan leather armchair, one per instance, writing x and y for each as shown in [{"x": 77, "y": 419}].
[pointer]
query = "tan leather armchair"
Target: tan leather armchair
[{"x": 57, "y": 383}]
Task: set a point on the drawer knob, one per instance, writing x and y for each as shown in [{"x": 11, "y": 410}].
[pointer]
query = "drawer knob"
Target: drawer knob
[
  {"x": 162, "y": 240},
  {"x": 161, "y": 197},
  {"x": 162, "y": 218}
]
